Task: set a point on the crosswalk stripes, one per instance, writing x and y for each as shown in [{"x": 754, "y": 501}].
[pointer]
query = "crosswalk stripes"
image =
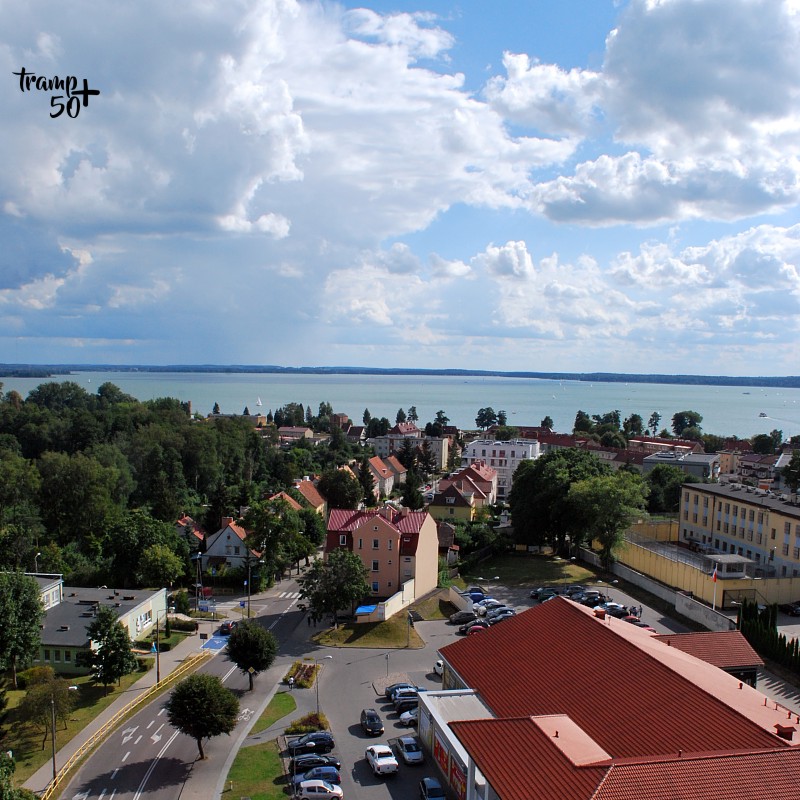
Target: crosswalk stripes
[{"x": 288, "y": 595}]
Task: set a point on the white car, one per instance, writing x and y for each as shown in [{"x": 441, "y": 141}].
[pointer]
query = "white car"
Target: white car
[
  {"x": 410, "y": 750},
  {"x": 381, "y": 759},
  {"x": 318, "y": 790},
  {"x": 410, "y": 717},
  {"x": 438, "y": 667},
  {"x": 487, "y": 605}
]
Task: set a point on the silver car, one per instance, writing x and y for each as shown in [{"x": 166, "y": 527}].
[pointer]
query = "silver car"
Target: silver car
[{"x": 410, "y": 750}]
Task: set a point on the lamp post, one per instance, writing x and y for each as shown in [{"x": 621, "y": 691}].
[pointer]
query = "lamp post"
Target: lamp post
[
  {"x": 36, "y": 562},
  {"x": 316, "y": 677},
  {"x": 249, "y": 565},
  {"x": 158, "y": 642},
  {"x": 53, "y": 723}
]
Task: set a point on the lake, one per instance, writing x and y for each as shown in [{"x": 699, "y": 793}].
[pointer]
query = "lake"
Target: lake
[{"x": 726, "y": 410}]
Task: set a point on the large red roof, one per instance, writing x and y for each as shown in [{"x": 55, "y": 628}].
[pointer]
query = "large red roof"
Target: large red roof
[
  {"x": 631, "y": 693},
  {"x": 723, "y": 649}
]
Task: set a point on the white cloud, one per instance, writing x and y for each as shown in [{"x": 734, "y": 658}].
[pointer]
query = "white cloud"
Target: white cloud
[{"x": 509, "y": 260}]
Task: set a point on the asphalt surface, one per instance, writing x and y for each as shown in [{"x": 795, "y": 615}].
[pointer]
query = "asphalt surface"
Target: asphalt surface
[{"x": 146, "y": 756}]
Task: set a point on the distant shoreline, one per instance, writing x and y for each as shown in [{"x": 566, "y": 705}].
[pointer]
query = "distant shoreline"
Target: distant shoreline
[{"x": 51, "y": 370}]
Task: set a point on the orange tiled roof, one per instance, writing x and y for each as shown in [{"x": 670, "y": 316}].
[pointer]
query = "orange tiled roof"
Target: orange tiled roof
[
  {"x": 310, "y": 492},
  {"x": 723, "y": 649},
  {"x": 287, "y": 498}
]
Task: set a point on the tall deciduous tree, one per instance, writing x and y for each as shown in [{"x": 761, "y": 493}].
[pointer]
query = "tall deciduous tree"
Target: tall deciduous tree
[
  {"x": 340, "y": 489},
  {"x": 682, "y": 420},
  {"x": 665, "y": 482},
  {"x": 45, "y": 700},
  {"x": 654, "y": 422},
  {"x": 791, "y": 472},
  {"x": 485, "y": 417},
  {"x": 400, "y": 416},
  {"x": 340, "y": 582},
  {"x": 538, "y": 501},
  {"x": 547, "y": 422},
  {"x": 21, "y": 615},
  {"x": 159, "y": 566},
  {"x": 111, "y": 657},
  {"x": 606, "y": 505},
  {"x": 252, "y": 648},
  {"x": 273, "y": 525},
  {"x": 201, "y": 707}
]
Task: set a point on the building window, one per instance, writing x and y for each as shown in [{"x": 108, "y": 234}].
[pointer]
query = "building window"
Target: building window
[
  {"x": 375, "y": 587},
  {"x": 342, "y": 539},
  {"x": 407, "y": 559},
  {"x": 360, "y": 541},
  {"x": 389, "y": 584},
  {"x": 389, "y": 546},
  {"x": 375, "y": 566},
  {"x": 46, "y": 655},
  {"x": 796, "y": 554},
  {"x": 772, "y": 535},
  {"x": 56, "y": 655},
  {"x": 236, "y": 550},
  {"x": 752, "y": 515}
]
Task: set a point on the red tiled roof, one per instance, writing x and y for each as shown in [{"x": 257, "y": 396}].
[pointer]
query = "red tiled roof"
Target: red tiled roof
[
  {"x": 539, "y": 768},
  {"x": 771, "y": 775},
  {"x": 723, "y": 649},
  {"x": 342, "y": 519},
  {"x": 394, "y": 464},
  {"x": 309, "y": 491},
  {"x": 288, "y": 499},
  {"x": 630, "y": 693}
]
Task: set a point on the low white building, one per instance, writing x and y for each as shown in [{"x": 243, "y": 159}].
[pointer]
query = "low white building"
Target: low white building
[{"x": 504, "y": 457}]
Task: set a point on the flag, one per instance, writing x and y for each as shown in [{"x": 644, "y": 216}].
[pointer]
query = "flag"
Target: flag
[{"x": 714, "y": 576}]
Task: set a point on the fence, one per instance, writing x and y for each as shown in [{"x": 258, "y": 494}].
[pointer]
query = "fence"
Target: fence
[{"x": 191, "y": 663}]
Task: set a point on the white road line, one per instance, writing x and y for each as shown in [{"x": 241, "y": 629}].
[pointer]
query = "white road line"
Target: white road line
[
  {"x": 151, "y": 722},
  {"x": 161, "y": 712},
  {"x": 102, "y": 795},
  {"x": 280, "y": 617},
  {"x": 112, "y": 795},
  {"x": 153, "y": 766},
  {"x": 229, "y": 673},
  {"x": 125, "y": 757},
  {"x": 139, "y": 738}
]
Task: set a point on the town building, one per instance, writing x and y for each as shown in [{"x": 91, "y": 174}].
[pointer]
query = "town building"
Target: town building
[
  {"x": 761, "y": 526},
  {"x": 226, "y": 549},
  {"x": 705, "y": 466},
  {"x": 395, "y": 545},
  {"x": 502, "y": 456},
  {"x": 558, "y": 703}
]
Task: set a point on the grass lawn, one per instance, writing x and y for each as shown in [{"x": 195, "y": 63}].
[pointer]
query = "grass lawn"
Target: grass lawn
[
  {"x": 25, "y": 739},
  {"x": 392, "y": 633},
  {"x": 530, "y": 570},
  {"x": 437, "y": 606},
  {"x": 257, "y": 771}
]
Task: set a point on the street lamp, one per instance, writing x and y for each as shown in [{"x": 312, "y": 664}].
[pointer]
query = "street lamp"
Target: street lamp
[
  {"x": 249, "y": 564},
  {"x": 166, "y": 611},
  {"x": 316, "y": 676},
  {"x": 36, "y": 562}
]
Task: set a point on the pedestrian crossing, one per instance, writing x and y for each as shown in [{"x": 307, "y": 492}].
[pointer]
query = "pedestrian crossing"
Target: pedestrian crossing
[{"x": 289, "y": 595}]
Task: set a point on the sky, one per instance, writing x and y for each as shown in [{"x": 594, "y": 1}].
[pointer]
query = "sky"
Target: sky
[{"x": 581, "y": 185}]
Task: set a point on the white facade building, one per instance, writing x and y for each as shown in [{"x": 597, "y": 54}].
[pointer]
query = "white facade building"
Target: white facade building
[{"x": 504, "y": 457}]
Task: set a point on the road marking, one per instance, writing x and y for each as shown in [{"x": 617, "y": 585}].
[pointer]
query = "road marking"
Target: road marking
[
  {"x": 112, "y": 795},
  {"x": 81, "y": 795},
  {"x": 153, "y": 766},
  {"x": 114, "y": 774},
  {"x": 102, "y": 795},
  {"x": 139, "y": 738},
  {"x": 287, "y": 595},
  {"x": 155, "y": 736},
  {"x": 161, "y": 712},
  {"x": 127, "y": 734},
  {"x": 125, "y": 757},
  {"x": 152, "y": 721},
  {"x": 280, "y": 617}
]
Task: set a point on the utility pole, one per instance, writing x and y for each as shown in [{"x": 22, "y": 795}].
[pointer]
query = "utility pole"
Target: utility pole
[{"x": 53, "y": 723}]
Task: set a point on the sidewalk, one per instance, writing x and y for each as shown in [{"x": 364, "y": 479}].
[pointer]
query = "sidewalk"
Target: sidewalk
[{"x": 169, "y": 661}]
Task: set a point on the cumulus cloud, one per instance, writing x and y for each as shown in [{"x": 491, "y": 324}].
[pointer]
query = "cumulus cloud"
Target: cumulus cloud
[{"x": 509, "y": 260}]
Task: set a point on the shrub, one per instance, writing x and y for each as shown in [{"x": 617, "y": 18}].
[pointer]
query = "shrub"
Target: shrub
[
  {"x": 183, "y": 625},
  {"x": 310, "y": 722},
  {"x": 34, "y": 676},
  {"x": 303, "y": 674}
]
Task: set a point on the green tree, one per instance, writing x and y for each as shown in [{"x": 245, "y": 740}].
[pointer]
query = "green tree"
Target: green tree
[
  {"x": 486, "y": 417},
  {"x": 605, "y": 506},
  {"x": 791, "y": 472},
  {"x": 312, "y": 526},
  {"x": 633, "y": 425},
  {"x": 7, "y": 789},
  {"x": 366, "y": 417},
  {"x": 367, "y": 481},
  {"x": 159, "y": 566},
  {"x": 42, "y": 699},
  {"x": 400, "y": 416},
  {"x": 502, "y": 418},
  {"x": 21, "y": 613},
  {"x": 411, "y": 414},
  {"x": 682, "y": 420},
  {"x": 338, "y": 583},
  {"x": 583, "y": 423},
  {"x": 665, "y": 482},
  {"x": 412, "y": 497},
  {"x": 201, "y": 707},
  {"x": 340, "y": 489},
  {"x": 540, "y": 513},
  {"x": 654, "y": 422},
  {"x": 406, "y": 454},
  {"x": 252, "y": 648},
  {"x": 763, "y": 444},
  {"x": 111, "y": 656},
  {"x": 547, "y": 422},
  {"x": 273, "y": 527}
]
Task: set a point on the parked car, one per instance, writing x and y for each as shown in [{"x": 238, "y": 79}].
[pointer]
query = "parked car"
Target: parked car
[
  {"x": 381, "y": 759},
  {"x": 489, "y": 605},
  {"x": 490, "y": 615},
  {"x": 325, "y": 773},
  {"x": 476, "y": 629},
  {"x": 393, "y": 687},
  {"x": 227, "y": 627},
  {"x": 307, "y": 761},
  {"x": 480, "y": 603},
  {"x": 591, "y": 599},
  {"x": 371, "y": 723},
  {"x": 792, "y": 609},
  {"x": 314, "y": 742},
  {"x": 430, "y": 789},
  {"x": 460, "y": 617},
  {"x": 574, "y": 588},
  {"x": 406, "y": 705},
  {"x": 509, "y": 612},
  {"x": 438, "y": 667},
  {"x": 613, "y": 609},
  {"x": 311, "y": 790},
  {"x": 403, "y": 694},
  {"x": 542, "y": 592},
  {"x": 410, "y": 750},
  {"x": 410, "y": 717},
  {"x": 475, "y": 623}
]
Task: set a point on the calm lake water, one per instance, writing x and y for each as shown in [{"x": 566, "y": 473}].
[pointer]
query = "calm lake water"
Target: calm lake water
[{"x": 726, "y": 410}]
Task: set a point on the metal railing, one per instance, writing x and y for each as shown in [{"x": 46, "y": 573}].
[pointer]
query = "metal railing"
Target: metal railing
[{"x": 192, "y": 662}]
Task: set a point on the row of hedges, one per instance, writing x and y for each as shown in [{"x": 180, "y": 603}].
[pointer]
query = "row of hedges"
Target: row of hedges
[{"x": 760, "y": 628}]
